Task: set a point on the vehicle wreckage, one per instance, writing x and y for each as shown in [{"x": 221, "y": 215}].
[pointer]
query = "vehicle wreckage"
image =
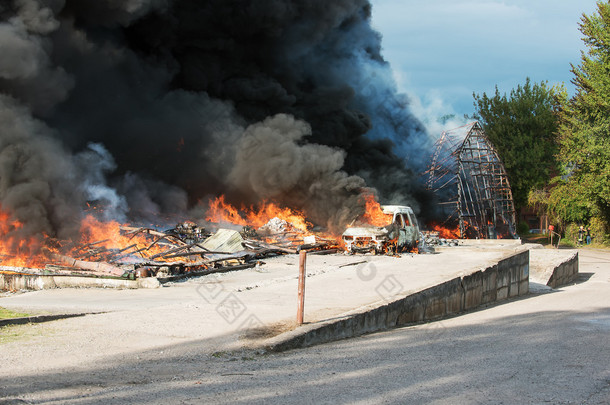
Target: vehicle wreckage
[{"x": 399, "y": 235}]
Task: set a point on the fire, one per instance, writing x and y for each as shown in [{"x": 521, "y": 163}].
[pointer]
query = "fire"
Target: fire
[
  {"x": 446, "y": 233},
  {"x": 15, "y": 251},
  {"x": 221, "y": 211},
  {"x": 104, "y": 234},
  {"x": 112, "y": 235},
  {"x": 106, "y": 241},
  {"x": 373, "y": 214},
  {"x": 106, "y": 237}
]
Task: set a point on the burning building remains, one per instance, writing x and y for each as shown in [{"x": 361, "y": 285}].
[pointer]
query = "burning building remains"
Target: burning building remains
[
  {"x": 118, "y": 112},
  {"x": 467, "y": 170}
]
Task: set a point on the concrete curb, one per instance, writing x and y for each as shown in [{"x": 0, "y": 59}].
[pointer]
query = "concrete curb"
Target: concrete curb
[
  {"x": 506, "y": 279},
  {"x": 40, "y": 318}
]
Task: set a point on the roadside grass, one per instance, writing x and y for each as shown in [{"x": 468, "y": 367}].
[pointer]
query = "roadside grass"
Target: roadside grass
[
  {"x": 10, "y": 333},
  {"x": 8, "y": 314}
]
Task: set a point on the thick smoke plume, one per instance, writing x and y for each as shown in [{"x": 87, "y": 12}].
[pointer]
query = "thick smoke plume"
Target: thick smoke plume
[
  {"x": 147, "y": 107},
  {"x": 272, "y": 165}
]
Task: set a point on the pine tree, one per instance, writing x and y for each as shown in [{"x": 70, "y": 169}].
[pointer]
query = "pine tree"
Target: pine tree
[{"x": 585, "y": 128}]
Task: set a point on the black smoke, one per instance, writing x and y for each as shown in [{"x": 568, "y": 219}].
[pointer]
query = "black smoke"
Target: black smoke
[{"x": 148, "y": 107}]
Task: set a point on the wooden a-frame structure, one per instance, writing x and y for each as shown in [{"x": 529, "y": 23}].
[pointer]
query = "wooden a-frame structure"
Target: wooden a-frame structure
[{"x": 468, "y": 174}]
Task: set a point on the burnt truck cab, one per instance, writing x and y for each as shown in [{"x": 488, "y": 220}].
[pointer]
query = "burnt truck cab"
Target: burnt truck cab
[{"x": 401, "y": 234}]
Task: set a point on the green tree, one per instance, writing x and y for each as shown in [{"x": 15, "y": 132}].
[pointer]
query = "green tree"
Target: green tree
[
  {"x": 523, "y": 128},
  {"x": 584, "y": 134}
]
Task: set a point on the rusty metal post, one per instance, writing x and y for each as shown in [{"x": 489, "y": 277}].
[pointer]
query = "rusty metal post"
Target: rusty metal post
[{"x": 301, "y": 298}]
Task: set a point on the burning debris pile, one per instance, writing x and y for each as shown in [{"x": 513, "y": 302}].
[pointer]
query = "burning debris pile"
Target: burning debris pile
[
  {"x": 109, "y": 249},
  {"x": 441, "y": 235},
  {"x": 433, "y": 239},
  {"x": 189, "y": 250},
  {"x": 232, "y": 239}
]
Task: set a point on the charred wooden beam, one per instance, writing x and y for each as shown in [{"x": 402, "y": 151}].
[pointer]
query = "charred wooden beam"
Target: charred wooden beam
[{"x": 102, "y": 267}]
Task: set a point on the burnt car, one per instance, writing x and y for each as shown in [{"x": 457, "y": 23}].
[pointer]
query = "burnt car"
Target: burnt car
[{"x": 401, "y": 234}]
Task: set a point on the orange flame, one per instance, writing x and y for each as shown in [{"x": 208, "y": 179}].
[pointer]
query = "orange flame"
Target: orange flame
[
  {"x": 446, "y": 233},
  {"x": 373, "y": 214},
  {"x": 221, "y": 211},
  {"x": 14, "y": 250},
  {"x": 98, "y": 240},
  {"x": 110, "y": 235}
]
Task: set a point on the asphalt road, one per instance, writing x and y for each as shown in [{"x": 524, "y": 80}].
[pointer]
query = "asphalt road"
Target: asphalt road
[{"x": 545, "y": 348}]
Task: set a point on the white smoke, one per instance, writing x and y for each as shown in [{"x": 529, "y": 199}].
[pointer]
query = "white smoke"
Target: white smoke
[{"x": 95, "y": 163}]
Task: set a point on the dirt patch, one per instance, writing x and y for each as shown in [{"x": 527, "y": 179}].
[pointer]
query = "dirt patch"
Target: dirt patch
[
  {"x": 268, "y": 331},
  {"x": 12, "y": 333}
]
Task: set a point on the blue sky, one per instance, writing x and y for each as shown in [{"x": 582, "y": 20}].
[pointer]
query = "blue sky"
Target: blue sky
[{"x": 442, "y": 51}]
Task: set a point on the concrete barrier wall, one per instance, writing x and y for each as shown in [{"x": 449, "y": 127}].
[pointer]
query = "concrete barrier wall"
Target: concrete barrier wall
[
  {"x": 508, "y": 278},
  {"x": 565, "y": 273},
  {"x": 15, "y": 281}
]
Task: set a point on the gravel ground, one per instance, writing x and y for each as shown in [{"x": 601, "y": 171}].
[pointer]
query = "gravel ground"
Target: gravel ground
[{"x": 544, "y": 348}]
